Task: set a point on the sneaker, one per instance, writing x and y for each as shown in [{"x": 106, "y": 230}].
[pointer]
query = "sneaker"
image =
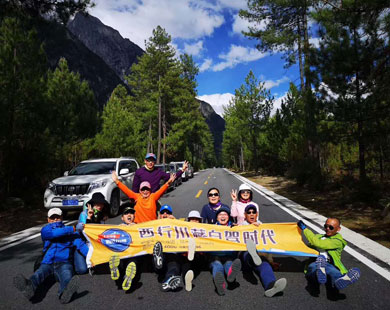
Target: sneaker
[
  {"x": 321, "y": 273},
  {"x": 191, "y": 249},
  {"x": 158, "y": 255},
  {"x": 24, "y": 285},
  {"x": 114, "y": 263},
  {"x": 278, "y": 287},
  {"x": 131, "y": 270},
  {"x": 234, "y": 269},
  {"x": 172, "y": 283},
  {"x": 350, "y": 277},
  {"x": 188, "y": 280},
  {"x": 69, "y": 290},
  {"x": 251, "y": 247},
  {"x": 220, "y": 284}
]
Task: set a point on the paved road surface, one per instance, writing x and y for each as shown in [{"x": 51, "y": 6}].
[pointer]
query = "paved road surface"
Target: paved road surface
[{"x": 100, "y": 292}]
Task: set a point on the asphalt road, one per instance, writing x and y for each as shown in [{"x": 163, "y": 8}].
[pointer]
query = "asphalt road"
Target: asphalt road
[{"x": 372, "y": 291}]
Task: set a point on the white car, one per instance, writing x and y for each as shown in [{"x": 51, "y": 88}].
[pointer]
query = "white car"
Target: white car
[
  {"x": 185, "y": 176},
  {"x": 88, "y": 177}
]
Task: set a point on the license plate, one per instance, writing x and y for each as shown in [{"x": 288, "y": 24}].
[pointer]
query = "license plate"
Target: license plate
[{"x": 70, "y": 202}]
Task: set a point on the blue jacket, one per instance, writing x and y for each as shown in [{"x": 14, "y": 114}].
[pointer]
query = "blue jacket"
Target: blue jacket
[
  {"x": 62, "y": 240},
  {"x": 209, "y": 214}
]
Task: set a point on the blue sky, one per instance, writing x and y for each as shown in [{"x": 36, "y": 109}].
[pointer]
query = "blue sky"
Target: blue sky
[{"x": 209, "y": 30}]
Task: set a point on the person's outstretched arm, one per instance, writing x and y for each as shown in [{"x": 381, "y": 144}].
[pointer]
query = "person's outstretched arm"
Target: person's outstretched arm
[
  {"x": 162, "y": 190},
  {"x": 123, "y": 187}
]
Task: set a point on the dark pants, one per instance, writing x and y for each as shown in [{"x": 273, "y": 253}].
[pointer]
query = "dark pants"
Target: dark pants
[
  {"x": 264, "y": 271},
  {"x": 63, "y": 273}
]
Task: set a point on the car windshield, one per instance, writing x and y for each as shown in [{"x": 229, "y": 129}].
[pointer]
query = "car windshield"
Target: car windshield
[
  {"x": 93, "y": 168},
  {"x": 172, "y": 167}
]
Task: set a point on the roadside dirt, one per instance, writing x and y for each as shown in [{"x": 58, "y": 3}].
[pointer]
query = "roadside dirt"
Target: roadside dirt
[{"x": 364, "y": 219}]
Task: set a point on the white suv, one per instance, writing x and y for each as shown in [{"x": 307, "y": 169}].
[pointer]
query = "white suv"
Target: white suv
[
  {"x": 88, "y": 177},
  {"x": 185, "y": 176}
]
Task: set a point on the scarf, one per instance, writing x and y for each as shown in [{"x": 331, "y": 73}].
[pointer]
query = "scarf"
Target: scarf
[
  {"x": 215, "y": 206},
  {"x": 245, "y": 200}
]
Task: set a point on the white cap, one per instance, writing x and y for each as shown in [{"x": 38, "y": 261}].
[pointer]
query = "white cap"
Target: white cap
[
  {"x": 244, "y": 187},
  {"x": 53, "y": 211},
  {"x": 194, "y": 214}
]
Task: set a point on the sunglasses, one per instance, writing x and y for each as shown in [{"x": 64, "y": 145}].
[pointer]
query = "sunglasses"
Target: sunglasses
[
  {"x": 245, "y": 192},
  {"x": 150, "y": 160},
  {"x": 145, "y": 189},
  {"x": 251, "y": 212},
  {"x": 328, "y": 226},
  {"x": 165, "y": 212},
  {"x": 213, "y": 194}
]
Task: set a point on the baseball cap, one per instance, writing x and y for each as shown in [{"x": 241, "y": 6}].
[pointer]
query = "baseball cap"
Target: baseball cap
[
  {"x": 128, "y": 210},
  {"x": 194, "y": 214},
  {"x": 223, "y": 209},
  {"x": 150, "y": 155},
  {"x": 145, "y": 184},
  {"x": 244, "y": 187},
  {"x": 166, "y": 208},
  {"x": 250, "y": 207},
  {"x": 54, "y": 211}
]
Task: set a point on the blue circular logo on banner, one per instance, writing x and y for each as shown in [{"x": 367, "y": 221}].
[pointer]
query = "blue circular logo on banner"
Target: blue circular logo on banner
[{"x": 115, "y": 239}]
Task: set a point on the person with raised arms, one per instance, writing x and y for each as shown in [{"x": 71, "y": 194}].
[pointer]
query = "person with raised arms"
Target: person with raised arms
[{"x": 148, "y": 173}]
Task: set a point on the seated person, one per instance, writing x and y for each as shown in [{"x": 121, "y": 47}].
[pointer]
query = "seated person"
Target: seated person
[
  {"x": 117, "y": 265},
  {"x": 146, "y": 201},
  {"x": 328, "y": 265},
  {"x": 224, "y": 262},
  {"x": 96, "y": 211},
  {"x": 169, "y": 262},
  {"x": 59, "y": 241},
  {"x": 194, "y": 260},
  {"x": 240, "y": 200},
  {"x": 209, "y": 211},
  {"x": 261, "y": 266}
]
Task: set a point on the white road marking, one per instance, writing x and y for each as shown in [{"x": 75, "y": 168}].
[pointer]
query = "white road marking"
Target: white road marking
[
  {"x": 377, "y": 250},
  {"x": 24, "y": 236}
]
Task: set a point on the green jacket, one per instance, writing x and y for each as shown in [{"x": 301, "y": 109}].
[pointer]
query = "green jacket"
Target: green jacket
[{"x": 333, "y": 245}]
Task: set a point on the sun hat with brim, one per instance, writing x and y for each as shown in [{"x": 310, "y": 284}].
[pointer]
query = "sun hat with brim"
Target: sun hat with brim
[
  {"x": 223, "y": 209},
  {"x": 128, "y": 210},
  {"x": 54, "y": 211},
  {"x": 145, "y": 184},
  {"x": 194, "y": 215},
  {"x": 98, "y": 198},
  {"x": 166, "y": 208},
  {"x": 250, "y": 207},
  {"x": 244, "y": 187}
]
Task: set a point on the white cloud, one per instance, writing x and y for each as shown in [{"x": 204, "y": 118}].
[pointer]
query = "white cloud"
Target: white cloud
[
  {"x": 217, "y": 101},
  {"x": 193, "y": 49},
  {"x": 135, "y": 19},
  {"x": 205, "y": 65},
  {"x": 270, "y": 83},
  {"x": 240, "y": 24},
  {"x": 278, "y": 103},
  {"x": 237, "y": 54}
]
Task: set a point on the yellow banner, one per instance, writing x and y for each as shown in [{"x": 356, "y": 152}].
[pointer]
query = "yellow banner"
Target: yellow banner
[{"x": 135, "y": 240}]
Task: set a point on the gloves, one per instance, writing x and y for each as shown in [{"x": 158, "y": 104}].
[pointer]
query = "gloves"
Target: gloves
[
  {"x": 80, "y": 227},
  {"x": 301, "y": 225}
]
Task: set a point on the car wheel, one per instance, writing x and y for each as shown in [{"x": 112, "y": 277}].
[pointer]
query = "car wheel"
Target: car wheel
[{"x": 114, "y": 203}]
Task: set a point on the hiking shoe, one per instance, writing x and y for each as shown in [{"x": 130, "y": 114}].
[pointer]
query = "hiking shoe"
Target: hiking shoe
[
  {"x": 320, "y": 272},
  {"x": 131, "y": 270},
  {"x": 220, "y": 284},
  {"x": 278, "y": 287},
  {"x": 24, "y": 285},
  {"x": 188, "y": 280},
  {"x": 114, "y": 263},
  {"x": 350, "y": 277},
  {"x": 251, "y": 247},
  {"x": 191, "y": 249},
  {"x": 172, "y": 283},
  {"x": 158, "y": 255},
  {"x": 69, "y": 290},
  {"x": 234, "y": 269}
]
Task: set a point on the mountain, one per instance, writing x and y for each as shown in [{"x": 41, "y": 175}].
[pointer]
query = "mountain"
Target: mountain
[
  {"x": 102, "y": 57},
  {"x": 106, "y": 42}
]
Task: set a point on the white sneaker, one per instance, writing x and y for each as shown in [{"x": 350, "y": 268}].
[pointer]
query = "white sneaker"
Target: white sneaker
[
  {"x": 251, "y": 247},
  {"x": 191, "y": 249},
  {"x": 188, "y": 280},
  {"x": 278, "y": 287}
]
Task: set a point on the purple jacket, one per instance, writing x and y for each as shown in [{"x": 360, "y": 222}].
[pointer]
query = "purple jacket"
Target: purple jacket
[{"x": 153, "y": 177}]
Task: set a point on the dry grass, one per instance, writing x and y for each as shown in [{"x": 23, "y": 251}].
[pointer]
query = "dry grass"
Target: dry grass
[{"x": 362, "y": 218}]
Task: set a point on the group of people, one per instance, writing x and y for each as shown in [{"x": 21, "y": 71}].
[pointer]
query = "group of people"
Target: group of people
[{"x": 65, "y": 248}]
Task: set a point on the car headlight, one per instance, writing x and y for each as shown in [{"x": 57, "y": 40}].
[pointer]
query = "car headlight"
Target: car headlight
[
  {"x": 97, "y": 184},
  {"x": 51, "y": 186}
]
